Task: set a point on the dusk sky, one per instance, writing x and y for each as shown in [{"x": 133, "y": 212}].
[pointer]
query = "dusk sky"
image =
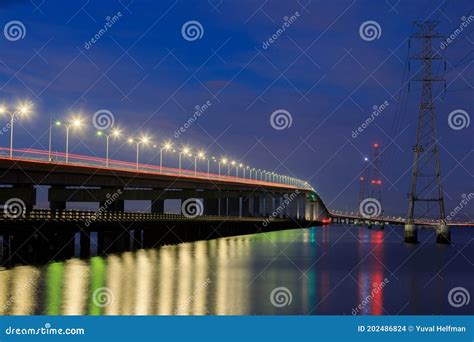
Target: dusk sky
[{"x": 320, "y": 70}]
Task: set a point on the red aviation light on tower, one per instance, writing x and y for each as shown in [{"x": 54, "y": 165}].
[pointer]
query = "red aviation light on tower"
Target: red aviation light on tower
[
  {"x": 376, "y": 145},
  {"x": 361, "y": 179}
]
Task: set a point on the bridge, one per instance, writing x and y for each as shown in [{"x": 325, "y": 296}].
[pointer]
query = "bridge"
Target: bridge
[{"x": 211, "y": 204}]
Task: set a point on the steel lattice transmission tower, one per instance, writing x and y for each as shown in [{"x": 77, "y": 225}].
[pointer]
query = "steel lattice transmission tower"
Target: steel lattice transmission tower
[
  {"x": 370, "y": 183},
  {"x": 376, "y": 181},
  {"x": 364, "y": 182},
  {"x": 426, "y": 194}
]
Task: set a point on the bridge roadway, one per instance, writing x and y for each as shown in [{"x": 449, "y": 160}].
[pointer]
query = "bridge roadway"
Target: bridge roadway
[
  {"x": 348, "y": 218},
  {"x": 86, "y": 179}
]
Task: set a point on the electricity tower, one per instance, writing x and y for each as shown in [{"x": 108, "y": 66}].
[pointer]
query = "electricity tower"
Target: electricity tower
[
  {"x": 376, "y": 182},
  {"x": 370, "y": 183},
  {"x": 426, "y": 194}
]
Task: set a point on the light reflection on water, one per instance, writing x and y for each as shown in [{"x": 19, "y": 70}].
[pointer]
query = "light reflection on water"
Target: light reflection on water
[{"x": 328, "y": 270}]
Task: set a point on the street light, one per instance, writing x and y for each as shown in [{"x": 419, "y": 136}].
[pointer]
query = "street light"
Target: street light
[
  {"x": 248, "y": 168},
  {"x": 115, "y": 133},
  {"x": 237, "y": 169},
  {"x": 74, "y": 123},
  {"x": 185, "y": 150},
  {"x": 223, "y": 161},
  {"x": 143, "y": 140},
  {"x": 200, "y": 155},
  {"x": 167, "y": 146},
  {"x": 228, "y": 168},
  {"x": 22, "y": 110}
]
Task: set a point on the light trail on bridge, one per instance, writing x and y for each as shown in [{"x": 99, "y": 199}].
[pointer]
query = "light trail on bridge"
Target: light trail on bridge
[{"x": 98, "y": 163}]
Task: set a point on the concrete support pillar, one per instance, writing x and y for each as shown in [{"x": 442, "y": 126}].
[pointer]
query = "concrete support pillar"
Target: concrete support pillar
[
  {"x": 293, "y": 208},
  {"x": 223, "y": 206},
  {"x": 279, "y": 208},
  {"x": 284, "y": 207},
  {"x": 308, "y": 211},
  {"x": 211, "y": 206},
  {"x": 233, "y": 206},
  {"x": 256, "y": 206},
  {"x": 245, "y": 206},
  {"x": 315, "y": 211},
  {"x": 158, "y": 206},
  {"x": 411, "y": 233},
  {"x": 301, "y": 207},
  {"x": 443, "y": 234},
  {"x": 269, "y": 208}
]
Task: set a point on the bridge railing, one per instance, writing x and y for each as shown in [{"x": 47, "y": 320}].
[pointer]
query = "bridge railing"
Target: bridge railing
[
  {"x": 100, "y": 163},
  {"x": 92, "y": 216}
]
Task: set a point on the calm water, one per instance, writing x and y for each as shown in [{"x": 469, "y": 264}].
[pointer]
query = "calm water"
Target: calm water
[{"x": 324, "y": 270}]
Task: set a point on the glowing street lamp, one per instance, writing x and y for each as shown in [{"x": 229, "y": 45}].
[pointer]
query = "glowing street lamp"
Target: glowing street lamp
[
  {"x": 22, "y": 110},
  {"x": 143, "y": 140},
  {"x": 114, "y": 133},
  {"x": 184, "y": 151},
  {"x": 73, "y": 123},
  {"x": 246, "y": 168},
  {"x": 167, "y": 146},
  {"x": 199, "y": 155},
  {"x": 228, "y": 167},
  {"x": 223, "y": 161}
]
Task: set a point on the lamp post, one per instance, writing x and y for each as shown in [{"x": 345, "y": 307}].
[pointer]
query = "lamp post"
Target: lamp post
[
  {"x": 74, "y": 123},
  {"x": 21, "y": 110},
  {"x": 115, "y": 133},
  {"x": 143, "y": 140},
  {"x": 237, "y": 169},
  {"x": 223, "y": 161},
  {"x": 247, "y": 167},
  {"x": 199, "y": 155},
  {"x": 185, "y": 150},
  {"x": 167, "y": 146}
]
